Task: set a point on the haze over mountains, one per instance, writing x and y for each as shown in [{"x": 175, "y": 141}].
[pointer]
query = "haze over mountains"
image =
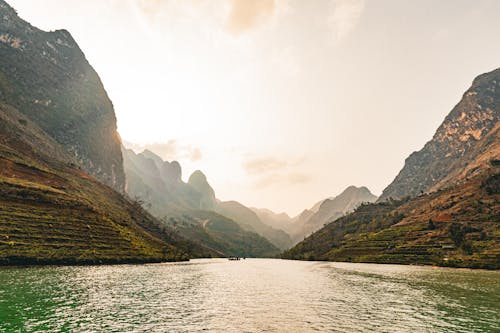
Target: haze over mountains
[
  {"x": 191, "y": 208},
  {"x": 167, "y": 195},
  {"x": 329, "y": 210}
]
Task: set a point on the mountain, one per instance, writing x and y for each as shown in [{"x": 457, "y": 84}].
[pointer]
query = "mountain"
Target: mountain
[
  {"x": 46, "y": 77},
  {"x": 220, "y": 234},
  {"x": 456, "y": 145},
  {"x": 158, "y": 183},
  {"x": 275, "y": 220},
  {"x": 249, "y": 220},
  {"x": 191, "y": 208},
  {"x": 51, "y": 212},
  {"x": 58, "y": 150},
  {"x": 454, "y": 221},
  {"x": 198, "y": 181},
  {"x": 328, "y": 210}
]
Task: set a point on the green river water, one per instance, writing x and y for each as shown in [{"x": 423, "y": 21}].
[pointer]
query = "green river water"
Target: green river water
[{"x": 253, "y": 295}]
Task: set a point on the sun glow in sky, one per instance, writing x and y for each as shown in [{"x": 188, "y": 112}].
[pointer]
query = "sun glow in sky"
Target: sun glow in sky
[{"x": 281, "y": 103}]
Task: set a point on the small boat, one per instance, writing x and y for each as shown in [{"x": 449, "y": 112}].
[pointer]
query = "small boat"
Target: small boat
[{"x": 234, "y": 258}]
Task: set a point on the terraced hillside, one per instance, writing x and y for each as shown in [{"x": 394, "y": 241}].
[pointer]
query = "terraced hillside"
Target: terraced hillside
[
  {"x": 51, "y": 212},
  {"x": 456, "y": 227}
]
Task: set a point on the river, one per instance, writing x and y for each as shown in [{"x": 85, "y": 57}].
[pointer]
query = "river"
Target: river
[{"x": 253, "y": 295}]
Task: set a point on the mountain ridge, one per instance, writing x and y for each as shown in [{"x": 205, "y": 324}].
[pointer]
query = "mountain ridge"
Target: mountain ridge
[
  {"x": 327, "y": 210},
  {"x": 449, "y": 215},
  {"x": 191, "y": 208},
  {"x": 453, "y": 144}
]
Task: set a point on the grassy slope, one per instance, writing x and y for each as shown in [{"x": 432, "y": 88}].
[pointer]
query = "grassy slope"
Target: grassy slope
[
  {"x": 459, "y": 226},
  {"x": 221, "y": 234},
  {"x": 51, "y": 212},
  {"x": 249, "y": 220}
]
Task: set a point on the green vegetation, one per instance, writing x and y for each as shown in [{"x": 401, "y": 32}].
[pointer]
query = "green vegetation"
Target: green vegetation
[
  {"x": 249, "y": 221},
  {"x": 221, "y": 234},
  {"x": 428, "y": 230},
  {"x": 53, "y": 213},
  {"x": 457, "y": 223},
  {"x": 56, "y": 120}
]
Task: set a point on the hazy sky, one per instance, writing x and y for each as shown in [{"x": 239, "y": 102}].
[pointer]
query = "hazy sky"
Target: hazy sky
[{"x": 281, "y": 103}]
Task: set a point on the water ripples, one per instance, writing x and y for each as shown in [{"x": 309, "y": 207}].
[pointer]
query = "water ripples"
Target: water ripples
[{"x": 253, "y": 295}]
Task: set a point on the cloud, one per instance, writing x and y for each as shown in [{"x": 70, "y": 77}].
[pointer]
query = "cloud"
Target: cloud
[
  {"x": 277, "y": 179},
  {"x": 270, "y": 171},
  {"x": 344, "y": 16},
  {"x": 168, "y": 151},
  {"x": 195, "y": 154},
  {"x": 262, "y": 165},
  {"x": 150, "y": 7},
  {"x": 246, "y": 14}
]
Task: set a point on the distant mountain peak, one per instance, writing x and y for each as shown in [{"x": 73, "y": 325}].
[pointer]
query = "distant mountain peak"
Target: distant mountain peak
[
  {"x": 330, "y": 209},
  {"x": 197, "y": 176},
  {"x": 199, "y": 182}
]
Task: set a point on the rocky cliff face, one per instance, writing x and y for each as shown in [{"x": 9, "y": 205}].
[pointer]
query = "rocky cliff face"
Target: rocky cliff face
[
  {"x": 456, "y": 224},
  {"x": 46, "y": 77},
  {"x": 455, "y": 144}
]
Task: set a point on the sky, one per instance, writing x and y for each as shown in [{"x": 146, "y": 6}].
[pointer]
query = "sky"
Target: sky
[{"x": 281, "y": 103}]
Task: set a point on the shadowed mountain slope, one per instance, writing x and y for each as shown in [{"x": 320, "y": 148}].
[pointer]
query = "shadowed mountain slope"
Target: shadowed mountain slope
[{"x": 45, "y": 76}]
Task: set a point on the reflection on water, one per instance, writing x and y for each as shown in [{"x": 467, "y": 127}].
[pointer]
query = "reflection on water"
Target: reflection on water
[{"x": 253, "y": 295}]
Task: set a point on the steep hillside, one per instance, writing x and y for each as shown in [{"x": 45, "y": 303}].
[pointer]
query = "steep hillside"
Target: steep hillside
[
  {"x": 457, "y": 143},
  {"x": 53, "y": 213},
  {"x": 329, "y": 210},
  {"x": 220, "y": 234},
  {"x": 45, "y": 76},
  {"x": 457, "y": 223},
  {"x": 249, "y": 220},
  {"x": 189, "y": 207}
]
